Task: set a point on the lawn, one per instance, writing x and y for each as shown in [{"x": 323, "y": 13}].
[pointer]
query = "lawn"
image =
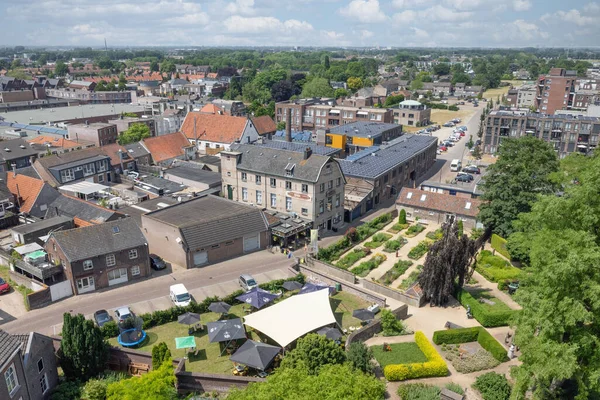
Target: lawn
[
  {"x": 442, "y": 116},
  {"x": 485, "y": 294},
  {"x": 402, "y": 353},
  {"x": 496, "y": 269},
  {"x": 343, "y": 304},
  {"x": 495, "y": 93}
]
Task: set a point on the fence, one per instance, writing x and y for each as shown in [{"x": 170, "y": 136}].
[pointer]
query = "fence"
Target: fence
[
  {"x": 369, "y": 330},
  {"x": 393, "y": 293}
]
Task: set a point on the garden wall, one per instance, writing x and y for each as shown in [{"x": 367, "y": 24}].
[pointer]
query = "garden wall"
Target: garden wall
[
  {"x": 368, "y": 331},
  {"x": 330, "y": 270},
  {"x": 394, "y": 294}
]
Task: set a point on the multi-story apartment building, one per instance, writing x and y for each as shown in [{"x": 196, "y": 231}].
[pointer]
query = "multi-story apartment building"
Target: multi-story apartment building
[
  {"x": 522, "y": 97},
  {"x": 90, "y": 165},
  {"x": 357, "y": 136},
  {"x": 123, "y": 123},
  {"x": 313, "y": 114},
  {"x": 555, "y": 90},
  {"x": 567, "y": 133},
  {"x": 412, "y": 113},
  {"x": 98, "y": 133},
  {"x": 305, "y": 184},
  {"x": 91, "y": 97}
]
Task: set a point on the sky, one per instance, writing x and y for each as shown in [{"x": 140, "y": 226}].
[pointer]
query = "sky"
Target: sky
[{"x": 397, "y": 23}]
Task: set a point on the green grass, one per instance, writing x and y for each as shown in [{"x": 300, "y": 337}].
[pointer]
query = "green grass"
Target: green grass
[
  {"x": 378, "y": 239},
  {"x": 482, "y": 294},
  {"x": 419, "y": 250},
  {"x": 398, "y": 227},
  {"x": 395, "y": 272},
  {"x": 395, "y": 244},
  {"x": 343, "y": 304},
  {"x": 351, "y": 258},
  {"x": 496, "y": 269},
  {"x": 414, "y": 230},
  {"x": 402, "y": 353},
  {"x": 412, "y": 278},
  {"x": 365, "y": 267}
]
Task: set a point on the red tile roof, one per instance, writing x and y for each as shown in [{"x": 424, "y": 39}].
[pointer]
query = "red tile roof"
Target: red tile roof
[
  {"x": 166, "y": 147},
  {"x": 112, "y": 150},
  {"x": 25, "y": 188},
  {"x": 210, "y": 109},
  {"x": 438, "y": 202},
  {"x": 264, "y": 124},
  {"x": 55, "y": 142},
  {"x": 214, "y": 127}
]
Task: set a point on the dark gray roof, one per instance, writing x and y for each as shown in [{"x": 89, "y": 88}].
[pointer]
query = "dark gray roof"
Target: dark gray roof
[
  {"x": 17, "y": 148},
  {"x": 70, "y": 157},
  {"x": 210, "y": 160},
  {"x": 274, "y": 162},
  {"x": 375, "y": 161},
  {"x": 136, "y": 150},
  {"x": 8, "y": 345},
  {"x": 210, "y": 220},
  {"x": 196, "y": 174},
  {"x": 151, "y": 184},
  {"x": 300, "y": 147},
  {"x": 43, "y": 224},
  {"x": 70, "y": 207},
  {"x": 136, "y": 211},
  {"x": 363, "y": 129},
  {"x": 82, "y": 162},
  {"x": 96, "y": 240}
]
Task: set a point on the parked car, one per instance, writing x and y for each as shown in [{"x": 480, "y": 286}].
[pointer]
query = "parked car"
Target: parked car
[
  {"x": 454, "y": 138},
  {"x": 475, "y": 104},
  {"x": 4, "y": 286},
  {"x": 448, "y": 124},
  {"x": 464, "y": 128},
  {"x": 472, "y": 169},
  {"x": 448, "y": 143},
  {"x": 462, "y": 133},
  {"x": 443, "y": 148},
  {"x": 463, "y": 177},
  {"x": 456, "y": 120},
  {"x": 122, "y": 313},
  {"x": 438, "y": 152},
  {"x": 179, "y": 295},
  {"x": 157, "y": 263},
  {"x": 102, "y": 317},
  {"x": 477, "y": 142},
  {"x": 247, "y": 282},
  {"x": 460, "y": 103}
]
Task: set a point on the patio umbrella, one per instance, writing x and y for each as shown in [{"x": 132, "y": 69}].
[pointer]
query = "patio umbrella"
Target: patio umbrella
[
  {"x": 330, "y": 333},
  {"x": 219, "y": 307},
  {"x": 312, "y": 287},
  {"x": 226, "y": 330},
  {"x": 292, "y": 285},
  {"x": 363, "y": 314},
  {"x": 188, "y": 318},
  {"x": 185, "y": 342},
  {"x": 257, "y": 297},
  {"x": 254, "y": 354}
]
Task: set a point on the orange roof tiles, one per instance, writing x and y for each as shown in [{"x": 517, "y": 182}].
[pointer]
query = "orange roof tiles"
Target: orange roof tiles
[
  {"x": 54, "y": 142},
  {"x": 112, "y": 150},
  {"x": 213, "y": 127},
  {"x": 166, "y": 147},
  {"x": 210, "y": 109},
  {"x": 264, "y": 124},
  {"x": 25, "y": 188}
]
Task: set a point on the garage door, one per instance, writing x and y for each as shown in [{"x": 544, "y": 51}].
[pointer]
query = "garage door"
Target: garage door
[
  {"x": 117, "y": 276},
  {"x": 200, "y": 258},
  {"x": 251, "y": 242}
]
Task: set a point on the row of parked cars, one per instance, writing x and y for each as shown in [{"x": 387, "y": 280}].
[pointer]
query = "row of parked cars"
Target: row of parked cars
[{"x": 428, "y": 130}]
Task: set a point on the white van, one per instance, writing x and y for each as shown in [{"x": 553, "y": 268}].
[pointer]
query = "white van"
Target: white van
[
  {"x": 179, "y": 295},
  {"x": 455, "y": 165}
]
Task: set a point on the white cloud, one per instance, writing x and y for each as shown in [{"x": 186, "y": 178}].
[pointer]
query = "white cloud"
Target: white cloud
[
  {"x": 366, "y": 11},
  {"x": 464, "y": 5},
  {"x": 441, "y": 13},
  {"x": 520, "y": 32},
  {"x": 521, "y": 5},
  {"x": 575, "y": 17},
  {"x": 405, "y": 17},
  {"x": 410, "y": 3},
  {"x": 238, "y": 24},
  {"x": 420, "y": 33},
  {"x": 591, "y": 7},
  {"x": 365, "y": 34},
  {"x": 245, "y": 7}
]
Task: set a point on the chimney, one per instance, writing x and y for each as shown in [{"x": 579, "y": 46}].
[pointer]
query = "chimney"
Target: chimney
[
  {"x": 288, "y": 125},
  {"x": 307, "y": 153},
  {"x": 14, "y": 168}
]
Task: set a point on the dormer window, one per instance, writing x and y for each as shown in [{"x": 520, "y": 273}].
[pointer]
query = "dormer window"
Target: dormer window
[{"x": 289, "y": 169}]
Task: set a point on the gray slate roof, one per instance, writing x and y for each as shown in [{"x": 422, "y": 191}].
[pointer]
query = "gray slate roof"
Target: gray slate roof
[
  {"x": 136, "y": 150},
  {"x": 375, "y": 161},
  {"x": 14, "y": 149},
  {"x": 71, "y": 157},
  {"x": 210, "y": 220},
  {"x": 184, "y": 171},
  {"x": 273, "y": 162},
  {"x": 299, "y": 147},
  {"x": 96, "y": 240},
  {"x": 70, "y": 207},
  {"x": 43, "y": 224},
  {"x": 363, "y": 129},
  {"x": 8, "y": 344}
]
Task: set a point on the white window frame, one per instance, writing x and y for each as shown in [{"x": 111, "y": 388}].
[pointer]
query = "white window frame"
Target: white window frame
[
  {"x": 273, "y": 200},
  {"x": 133, "y": 254},
  {"x": 44, "y": 383},
  {"x": 102, "y": 166},
  {"x": 12, "y": 381},
  {"x": 288, "y": 203},
  {"x": 67, "y": 175},
  {"x": 259, "y": 199},
  {"x": 244, "y": 194},
  {"x": 111, "y": 260},
  {"x": 90, "y": 282},
  {"x": 304, "y": 188},
  {"x": 89, "y": 169},
  {"x": 88, "y": 265},
  {"x": 135, "y": 270}
]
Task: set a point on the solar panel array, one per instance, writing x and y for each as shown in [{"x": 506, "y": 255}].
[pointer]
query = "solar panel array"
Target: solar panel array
[{"x": 36, "y": 128}]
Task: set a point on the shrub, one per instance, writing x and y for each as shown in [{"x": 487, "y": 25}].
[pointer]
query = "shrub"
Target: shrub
[
  {"x": 490, "y": 343},
  {"x": 496, "y": 269},
  {"x": 453, "y": 107},
  {"x": 411, "y": 279},
  {"x": 454, "y": 336},
  {"x": 398, "y": 227},
  {"x": 493, "y": 386},
  {"x": 94, "y": 389},
  {"x": 435, "y": 366},
  {"x": 489, "y": 319},
  {"x": 419, "y": 391},
  {"x": 435, "y": 235},
  {"x": 402, "y": 217},
  {"x": 334, "y": 251},
  {"x": 415, "y": 230},
  {"x": 160, "y": 354},
  {"x": 395, "y": 272},
  {"x": 476, "y": 233},
  {"x": 110, "y": 329},
  {"x": 67, "y": 390},
  {"x": 352, "y": 234},
  {"x": 377, "y": 240},
  {"x": 390, "y": 325},
  {"x": 499, "y": 244},
  {"x": 360, "y": 355},
  {"x": 365, "y": 267},
  {"x": 419, "y": 250},
  {"x": 393, "y": 245},
  {"x": 351, "y": 258},
  {"x": 479, "y": 361},
  {"x": 455, "y": 387}
]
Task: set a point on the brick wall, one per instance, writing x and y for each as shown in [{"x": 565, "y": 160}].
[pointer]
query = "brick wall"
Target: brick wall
[
  {"x": 39, "y": 299},
  {"x": 394, "y": 294},
  {"x": 374, "y": 327}
]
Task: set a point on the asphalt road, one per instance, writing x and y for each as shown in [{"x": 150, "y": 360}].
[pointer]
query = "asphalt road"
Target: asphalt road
[{"x": 152, "y": 294}]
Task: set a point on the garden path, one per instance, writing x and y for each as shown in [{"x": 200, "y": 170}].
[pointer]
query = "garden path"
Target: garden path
[
  {"x": 483, "y": 283},
  {"x": 362, "y": 244}
]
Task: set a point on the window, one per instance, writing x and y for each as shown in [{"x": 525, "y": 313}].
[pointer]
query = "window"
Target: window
[
  {"x": 338, "y": 182},
  {"x": 330, "y": 185},
  {"x": 228, "y": 173},
  {"x": 244, "y": 194},
  {"x": 273, "y": 200},
  {"x": 304, "y": 188},
  {"x": 135, "y": 270},
  {"x": 117, "y": 274},
  {"x": 244, "y": 176},
  {"x": 273, "y": 182},
  {"x": 44, "y": 383},
  {"x": 89, "y": 169},
  {"x": 102, "y": 166},
  {"x": 87, "y": 265},
  {"x": 258, "y": 197},
  {"x": 321, "y": 206},
  {"x": 133, "y": 254},
  {"x": 288, "y": 203},
  {"x": 40, "y": 365},
  {"x": 305, "y": 211},
  {"x": 85, "y": 283},
  {"x": 67, "y": 175},
  {"x": 215, "y": 246},
  {"x": 12, "y": 383},
  {"x": 100, "y": 178},
  {"x": 322, "y": 187},
  {"x": 288, "y": 185},
  {"x": 258, "y": 180},
  {"x": 337, "y": 200},
  {"x": 110, "y": 260}
]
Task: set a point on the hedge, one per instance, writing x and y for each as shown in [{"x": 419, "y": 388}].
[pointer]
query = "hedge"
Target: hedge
[
  {"x": 484, "y": 317},
  {"x": 495, "y": 268},
  {"x": 466, "y": 335},
  {"x": 435, "y": 366},
  {"x": 499, "y": 244}
]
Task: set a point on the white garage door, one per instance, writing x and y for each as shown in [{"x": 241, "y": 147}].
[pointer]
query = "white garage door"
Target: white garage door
[
  {"x": 200, "y": 257},
  {"x": 117, "y": 276},
  {"x": 251, "y": 242}
]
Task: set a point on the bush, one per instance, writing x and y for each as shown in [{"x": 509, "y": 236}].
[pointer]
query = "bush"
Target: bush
[
  {"x": 489, "y": 319},
  {"x": 395, "y": 272},
  {"x": 67, "y": 390},
  {"x": 365, "y": 267},
  {"x": 435, "y": 366},
  {"x": 468, "y": 363},
  {"x": 435, "y": 235},
  {"x": 393, "y": 245},
  {"x": 455, "y": 387},
  {"x": 493, "y": 386},
  {"x": 398, "y": 227},
  {"x": 415, "y": 230},
  {"x": 453, "y": 108},
  {"x": 352, "y": 234},
  {"x": 377, "y": 240},
  {"x": 499, "y": 244},
  {"x": 496, "y": 269},
  {"x": 360, "y": 355},
  {"x": 411, "y": 279},
  {"x": 454, "y": 336},
  {"x": 390, "y": 325},
  {"x": 419, "y": 250},
  {"x": 419, "y": 391},
  {"x": 94, "y": 389},
  {"x": 110, "y": 329},
  {"x": 490, "y": 343},
  {"x": 351, "y": 258},
  {"x": 402, "y": 217}
]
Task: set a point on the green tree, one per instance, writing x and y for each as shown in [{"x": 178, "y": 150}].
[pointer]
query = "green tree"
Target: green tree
[
  {"x": 521, "y": 173},
  {"x": 318, "y": 87},
  {"x": 326, "y": 63},
  {"x": 333, "y": 382},
  {"x": 460, "y": 228},
  {"x": 354, "y": 83},
  {"x": 416, "y": 84},
  {"x": 314, "y": 351},
  {"x": 154, "y": 67},
  {"x": 341, "y": 93},
  {"x": 470, "y": 143},
  {"x": 61, "y": 69},
  {"x": 281, "y": 125},
  {"x": 167, "y": 67},
  {"x": 95, "y": 389},
  {"x": 83, "y": 350},
  {"x": 390, "y": 325},
  {"x": 134, "y": 133},
  {"x": 391, "y": 101},
  {"x": 493, "y": 386},
  {"x": 158, "y": 384},
  {"x": 359, "y": 355},
  {"x": 402, "y": 217},
  {"x": 160, "y": 354}
]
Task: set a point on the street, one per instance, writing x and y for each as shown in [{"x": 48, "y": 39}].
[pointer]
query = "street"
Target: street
[{"x": 152, "y": 294}]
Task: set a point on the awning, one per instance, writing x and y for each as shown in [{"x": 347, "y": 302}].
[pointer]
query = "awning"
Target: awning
[
  {"x": 362, "y": 113},
  {"x": 334, "y": 111},
  {"x": 582, "y": 146},
  {"x": 185, "y": 342},
  {"x": 294, "y": 317},
  {"x": 28, "y": 248},
  {"x": 84, "y": 187},
  {"x": 256, "y": 355}
]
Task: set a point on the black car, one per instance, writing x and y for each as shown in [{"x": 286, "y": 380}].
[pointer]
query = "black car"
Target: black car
[
  {"x": 472, "y": 169},
  {"x": 102, "y": 317},
  {"x": 477, "y": 142},
  {"x": 157, "y": 263},
  {"x": 464, "y": 177},
  {"x": 448, "y": 143}
]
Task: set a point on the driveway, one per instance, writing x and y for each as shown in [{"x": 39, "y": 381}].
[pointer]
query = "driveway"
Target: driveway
[{"x": 152, "y": 294}]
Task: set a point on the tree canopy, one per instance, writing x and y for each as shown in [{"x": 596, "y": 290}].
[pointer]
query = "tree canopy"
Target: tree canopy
[
  {"x": 158, "y": 384},
  {"x": 314, "y": 351},
  {"x": 135, "y": 133},
  {"x": 318, "y": 87},
  {"x": 60, "y": 69}
]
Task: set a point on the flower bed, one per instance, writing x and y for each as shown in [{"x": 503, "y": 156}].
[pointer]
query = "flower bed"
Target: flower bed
[
  {"x": 419, "y": 250},
  {"x": 489, "y": 316},
  {"x": 398, "y": 227},
  {"x": 395, "y": 272},
  {"x": 351, "y": 258},
  {"x": 434, "y": 366},
  {"x": 365, "y": 267},
  {"x": 378, "y": 239},
  {"x": 466, "y": 363},
  {"x": 394, "y": 245},
  {"x": 435, "y": 235},
  {"x": 411, "y": 279},
  {"x": 496, "y": 269},
  {"x": 423, "y": 391},
  {"x": 414, "y": 230}
]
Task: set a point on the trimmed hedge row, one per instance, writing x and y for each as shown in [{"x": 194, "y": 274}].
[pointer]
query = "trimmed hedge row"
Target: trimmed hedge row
[
  {"x": 466, "y": 335},
  {"x": 434, "y": 366},
  {"x": 489, "y": 319},
  {"x": 499, "y": 244}
]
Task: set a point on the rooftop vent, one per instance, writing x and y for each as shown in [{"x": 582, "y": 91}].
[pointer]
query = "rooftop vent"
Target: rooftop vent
[
  {"x": 7, "y": 149},
  {"x": 116, "y": 229},
  {"x": 22, "y": 146}
]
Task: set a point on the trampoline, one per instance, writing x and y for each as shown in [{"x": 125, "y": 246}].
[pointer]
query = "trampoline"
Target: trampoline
[{"x": 131, "y": 337}]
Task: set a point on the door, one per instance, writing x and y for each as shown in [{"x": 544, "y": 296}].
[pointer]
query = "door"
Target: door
[
  {"x": 229, "y": 192},
  {"x": 200, "y": 258},
  {"x": 117, "y": 276},
  {"x": 329, "y": 224},
  {"x": 251, "y": 242},
  {"x": 85, "y": 285}
]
